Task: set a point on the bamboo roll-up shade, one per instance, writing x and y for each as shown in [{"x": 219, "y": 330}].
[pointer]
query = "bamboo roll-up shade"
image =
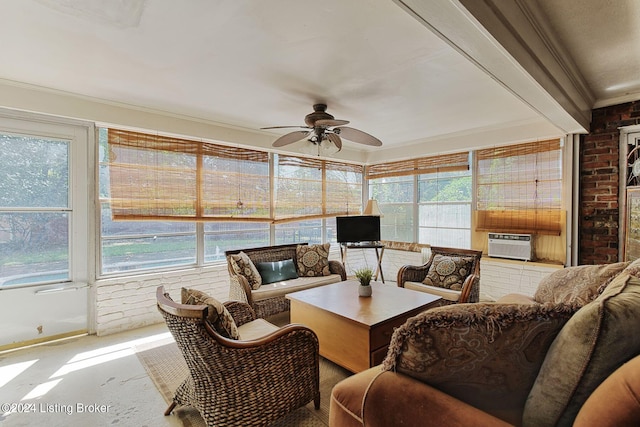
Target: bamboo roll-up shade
[
  {"x": 309, "y": 188},
  {"x": 442, "y": 163},
  {"x": 155, "y": 177},
  {"x": 519, "y": 188}
]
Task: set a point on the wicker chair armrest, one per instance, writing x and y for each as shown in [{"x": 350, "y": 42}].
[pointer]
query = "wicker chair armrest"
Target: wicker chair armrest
[
  {"x": 470, "y": 289},
  {"x": 239, "y": 289},
  {"x": 336, "y": 267},
  {"x": 412, "y": 273},
  {"x": 293, "y": 339},
  {"x": 240, "y": 311}
]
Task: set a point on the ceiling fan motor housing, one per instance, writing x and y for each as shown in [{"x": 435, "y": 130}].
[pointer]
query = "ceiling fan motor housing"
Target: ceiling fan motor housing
[{"x": 319, "y": 113}]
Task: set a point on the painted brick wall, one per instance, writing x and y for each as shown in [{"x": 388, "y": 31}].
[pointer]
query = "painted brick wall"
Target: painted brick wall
[
  {"x": 129, "y": 302},
  {"x": 599, "y": 169},
  {"x": 501, "y": 277}
]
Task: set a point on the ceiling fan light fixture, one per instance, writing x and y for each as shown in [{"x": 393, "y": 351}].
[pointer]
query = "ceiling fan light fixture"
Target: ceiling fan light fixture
[{"x": 322, "y": 131}]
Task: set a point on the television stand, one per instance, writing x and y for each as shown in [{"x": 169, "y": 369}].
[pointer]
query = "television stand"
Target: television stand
[{"x": 379, "y": 248}]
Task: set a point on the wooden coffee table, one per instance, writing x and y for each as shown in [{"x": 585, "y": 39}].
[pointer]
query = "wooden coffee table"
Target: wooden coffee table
[{"x": 354, "y": 331}]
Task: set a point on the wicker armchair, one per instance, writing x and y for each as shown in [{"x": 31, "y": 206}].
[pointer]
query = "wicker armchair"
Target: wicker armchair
[
  {"x": 413, "y": 277},
  {"x": 236, "y": 382}
]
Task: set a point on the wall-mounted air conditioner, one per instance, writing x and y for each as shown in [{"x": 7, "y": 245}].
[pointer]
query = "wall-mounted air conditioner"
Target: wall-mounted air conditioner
[{"x": 511, "y": 246}]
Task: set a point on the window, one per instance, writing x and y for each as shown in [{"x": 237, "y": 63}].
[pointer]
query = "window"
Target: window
[
  {"x": 395, "y": 196},
  {"x": 444, "y": 209},
  {"x": 139, "y": 245},
  {"x": 427, "y": 198},
  {"x": 519, "y": 188},
  {"x": 35, "y": 210},
  {"x": 307, "y": 188},
  {"x": 154, "y": 190}
]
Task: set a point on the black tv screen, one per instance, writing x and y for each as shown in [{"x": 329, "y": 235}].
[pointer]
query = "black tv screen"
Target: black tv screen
[{"x": 354, "y": 229}]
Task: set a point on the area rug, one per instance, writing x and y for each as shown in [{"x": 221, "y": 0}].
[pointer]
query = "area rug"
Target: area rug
[{"x": 167, "y": 369}]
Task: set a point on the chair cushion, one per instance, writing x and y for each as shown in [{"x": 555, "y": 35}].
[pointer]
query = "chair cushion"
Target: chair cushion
[
  {"x": 577, "y": 285},
  {"x": 255, "y": 329},
  {"x": 448, "y": 271},
  {"x": 445, "y": 293},
  {"x": 242, "y": 264},
  {"x": 597, "y": 340},
  {"x": 218, "y": 315},
  {"x": 313, "y": 260},
  {"x": 277, "y": 271}
]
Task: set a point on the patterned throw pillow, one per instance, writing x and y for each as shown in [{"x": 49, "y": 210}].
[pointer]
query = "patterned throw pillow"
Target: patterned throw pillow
[
  {"x": 577, "y": 285},
  {"x": 448, "y": 271},
  {"x": 313, "y": 260},
  {"x": 485, "y": 354},
  {"x": 219, "y": 317},
  {"x": 242, "y": 265}
]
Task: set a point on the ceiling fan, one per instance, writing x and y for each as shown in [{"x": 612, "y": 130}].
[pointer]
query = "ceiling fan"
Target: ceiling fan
[{"x": 322, "y": 126}]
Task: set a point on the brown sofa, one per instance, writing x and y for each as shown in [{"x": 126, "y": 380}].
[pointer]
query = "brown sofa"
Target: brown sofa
[
  {"x": 269, "y": 299},
  {"x": 568, "y": 356}
]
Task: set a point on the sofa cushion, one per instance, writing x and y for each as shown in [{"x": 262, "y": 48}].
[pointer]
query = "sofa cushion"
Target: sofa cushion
[
  {"x": 313, "y": 260},
  {"x": 448, "y": 271},
  {"x": 277, "y": 289},
  {"x": 242, "y": 264},
  {"x": 580, "y": 284},
  {"x": 485, "y": 354},
  {"x": 277, "y": 271},
  {"x": 597, "y": 340},
  {"x": 616, "y": 402},
  {"x": 218, "y": 315}
]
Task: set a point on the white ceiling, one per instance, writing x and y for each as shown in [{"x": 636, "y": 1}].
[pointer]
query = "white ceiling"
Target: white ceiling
[{"x": 413, "y": 73}]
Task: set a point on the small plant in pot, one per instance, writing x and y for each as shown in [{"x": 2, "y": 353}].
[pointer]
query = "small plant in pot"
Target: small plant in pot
[{"x": 364, "y": 276}]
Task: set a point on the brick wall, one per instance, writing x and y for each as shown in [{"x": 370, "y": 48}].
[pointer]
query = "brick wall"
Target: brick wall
[{"x": 599, "y": 176}]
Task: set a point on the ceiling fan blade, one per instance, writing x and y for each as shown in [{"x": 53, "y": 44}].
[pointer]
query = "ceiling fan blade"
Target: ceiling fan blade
[
  {"x": 285, "y": 127},
  {"x": 335, "y": 139},
  {"x": 290, "y": 138},
  {"x": 330, "y": 122},
  {"x": 358, "y": 136}
]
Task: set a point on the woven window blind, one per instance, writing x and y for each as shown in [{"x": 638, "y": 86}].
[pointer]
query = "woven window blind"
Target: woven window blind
[
  {"x": 155, "y": 177},
  {"x": 432, "y": 164},
  {"x": 310, "y": 188},
  {"x": 520, "y": 188}
]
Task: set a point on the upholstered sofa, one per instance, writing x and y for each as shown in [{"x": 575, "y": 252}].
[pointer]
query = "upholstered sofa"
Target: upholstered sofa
[
  {"x": 261, "y": 277},
  {"x": 567, "y": 356}
]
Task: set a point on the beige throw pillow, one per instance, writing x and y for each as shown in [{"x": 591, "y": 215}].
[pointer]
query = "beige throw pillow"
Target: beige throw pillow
[
  {"x": 218, "y": 315},
  {"x": 242, "y": 265}
]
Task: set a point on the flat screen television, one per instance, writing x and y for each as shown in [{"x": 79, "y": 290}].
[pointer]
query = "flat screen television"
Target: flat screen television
[{"x": 355, "y": 229}]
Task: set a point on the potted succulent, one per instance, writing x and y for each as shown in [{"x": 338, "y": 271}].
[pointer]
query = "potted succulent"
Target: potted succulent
[{"x": 364, "y": 276}]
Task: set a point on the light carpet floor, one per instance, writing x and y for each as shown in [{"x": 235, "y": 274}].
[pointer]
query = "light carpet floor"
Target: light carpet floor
[{"x": 167, "y": 369}]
